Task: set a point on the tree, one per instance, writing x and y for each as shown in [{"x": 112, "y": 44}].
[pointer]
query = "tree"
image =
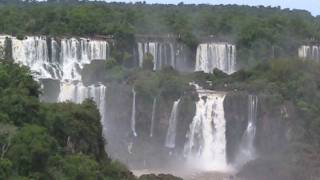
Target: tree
[{"x": 148, "y": 61}]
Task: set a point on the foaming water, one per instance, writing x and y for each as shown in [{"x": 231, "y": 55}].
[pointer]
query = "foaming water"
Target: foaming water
[{"x": 205, "y": 148}]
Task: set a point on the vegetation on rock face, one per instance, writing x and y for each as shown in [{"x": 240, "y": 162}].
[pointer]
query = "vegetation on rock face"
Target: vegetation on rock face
[{"x": 286, "y": 80}]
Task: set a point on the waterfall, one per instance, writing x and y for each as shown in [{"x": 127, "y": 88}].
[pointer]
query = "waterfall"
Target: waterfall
[
  {"x": 133, "y": 114},
  {"x": 163, "y": 54},
  {"x": 2, "y": 46},
  {"x": 49, "y": 59},
  {"x": 76, "y": 53},
  {"x": 153, "y": 116},
  {"x": 77, "y": 93},
  {"x": 33, "y": 52},
  {"x": 171, "y": 132},
  {"x": 310, "y": 52},
  {"x": 246, "y": 147},
  {"x": 216, "y": 55},
  {"x": 64, "y": 63},
  {"x": 206, "y": 140}
]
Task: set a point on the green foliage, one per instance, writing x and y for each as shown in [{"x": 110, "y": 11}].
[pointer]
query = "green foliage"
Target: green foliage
[
  {"x": 76, "y": 127},
  {"x": 148, "y": 61},
  {"x": 30, "y": 149},
  {"x": 75, "y": 166},
  {"x": 49, "y": 141}
]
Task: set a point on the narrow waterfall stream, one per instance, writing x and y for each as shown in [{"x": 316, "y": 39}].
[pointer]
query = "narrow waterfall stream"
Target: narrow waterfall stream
[
  {"x": 133, "y": 113},
  {"x": 153, "y": 116},
  {"x": 171, "y": 132},
  {"x": 247, "y": 150}
]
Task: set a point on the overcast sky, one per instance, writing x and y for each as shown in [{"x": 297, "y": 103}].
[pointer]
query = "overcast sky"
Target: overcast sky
[{"x": 311, "y": 5}]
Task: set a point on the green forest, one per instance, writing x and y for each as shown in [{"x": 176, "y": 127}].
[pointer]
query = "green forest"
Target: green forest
[{"x": 260, "y": 33}]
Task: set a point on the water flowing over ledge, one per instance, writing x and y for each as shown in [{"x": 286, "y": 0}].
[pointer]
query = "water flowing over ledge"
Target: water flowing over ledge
[{"x": 310, "y": 52}]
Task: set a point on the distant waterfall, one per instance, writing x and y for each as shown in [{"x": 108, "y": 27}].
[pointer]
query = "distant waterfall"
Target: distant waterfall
[
  {"x": 310, "y": 52},
  {"x": 133, "y": 113},
  {"x": 75, "y": 53},
  {"x": 163, "y": 54},
  {"x": 246, "y": 149},
  {"x": 171, "y": 132},
  {"x": 2, "y": 47},
  {"x": 49, "y": 59},
  {"x": 53, "y": 60},
  {"x": 216, "y": 55},
  {"x": 33, "y": 52},
  {"x": 153, "y": 116},
  {"x": 206, "y": 140},
  {"x": 77, "y": 93}
]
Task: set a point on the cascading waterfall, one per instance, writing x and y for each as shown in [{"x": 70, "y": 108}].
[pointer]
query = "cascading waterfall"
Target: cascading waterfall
[
  {"x": 133, "y": 113},
  {"x": 33, "y": 52},
  {"x": 171, "y": 132},
  {"x": 62, "y": 61},
  {"x": 310, "y": 52},
  {"x": 65, "y": 62},
  {"x": 206, "y": 140},
  {"x": 77, "y": 93},
  {"x": 163, "y": 54},
  {"x": 246, "y": 148},
  {"x": 75, "y": 53},
  {"x": 2, "y": 46},
  {"x": 153, "y": 116},
  {"x": 216, "y": 55}
]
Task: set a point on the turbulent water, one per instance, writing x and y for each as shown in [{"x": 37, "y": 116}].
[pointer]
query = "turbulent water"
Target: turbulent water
[
  {"x": 206, "y": 142},
  {"x": 133, "y": 113},
  {"x": 171, "y": 132},
  {"x": 310, "y": 52},
  {"x": 247, "y": 150},
  {"x": 216, "y": 55}
]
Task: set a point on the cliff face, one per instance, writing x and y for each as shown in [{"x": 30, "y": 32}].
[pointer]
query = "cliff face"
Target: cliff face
[
  {"x": 144, "y": 150},
  {"x": 272, "y": 133}
]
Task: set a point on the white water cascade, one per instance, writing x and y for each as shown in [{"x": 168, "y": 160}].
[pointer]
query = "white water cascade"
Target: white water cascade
[
  {"x": 153, "y": 116},
  {"x": 206, "y": 140},
  {"x": 2, "y": 46},
  {"x": 64, "y": 63},
  {"x": 33, "y": 52},
  {"x": 310, "y": 52},
  {"x": 247, "y": 150},
  {"x": 171, "y": 132},
  {"x": 163, "y": 54},
  {"x": 49, "y": 59},
  {"x": 133, "y": 113},
  {"x": 77, "y": 93},
  {"x": 216, "y": 55}
]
